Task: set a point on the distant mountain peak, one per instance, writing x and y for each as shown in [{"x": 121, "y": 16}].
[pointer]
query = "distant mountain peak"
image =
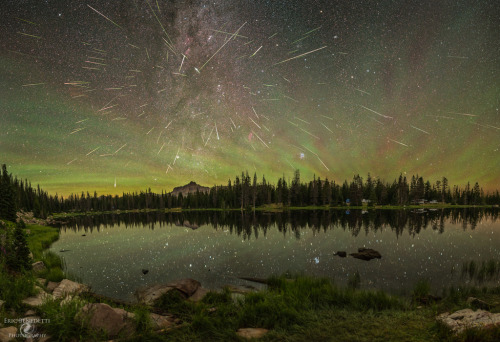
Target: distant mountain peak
[{"x": 191, "y": 187}]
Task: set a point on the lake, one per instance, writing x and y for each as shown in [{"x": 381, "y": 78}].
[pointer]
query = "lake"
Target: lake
[{"x": 108, "y": 252}]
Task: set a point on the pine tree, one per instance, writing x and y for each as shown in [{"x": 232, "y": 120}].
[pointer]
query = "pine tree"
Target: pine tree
[
  {"x": 7, "y": 197},
  {"x": 326, "y": 193},
  {"x": 18, "y": 253},
  {"x": 254, "y": 190},
  {"x": 444, "y": 188}
]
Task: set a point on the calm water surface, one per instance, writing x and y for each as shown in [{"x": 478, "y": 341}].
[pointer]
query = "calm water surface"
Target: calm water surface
[{"x": 216, "y": 248}]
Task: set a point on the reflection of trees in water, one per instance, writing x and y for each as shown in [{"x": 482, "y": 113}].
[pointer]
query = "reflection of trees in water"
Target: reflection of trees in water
[{"x": 247, "y": 224}]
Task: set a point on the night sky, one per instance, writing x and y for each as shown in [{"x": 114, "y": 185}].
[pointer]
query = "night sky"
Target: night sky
[{"x": 155, "y": 94}]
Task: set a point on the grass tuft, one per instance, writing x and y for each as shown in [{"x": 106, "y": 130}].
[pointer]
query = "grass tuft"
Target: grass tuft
[
  {"x": 142, "y": 320},
  {"x": 354, "y": 281},
  {"x": 66, "y": 324},
  {"x": 15, "y": 287}
]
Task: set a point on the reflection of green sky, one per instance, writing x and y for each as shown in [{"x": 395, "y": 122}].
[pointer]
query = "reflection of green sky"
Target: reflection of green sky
[
  {"x": 414, "y": 71},
  {"x": 111, "y": 260}
]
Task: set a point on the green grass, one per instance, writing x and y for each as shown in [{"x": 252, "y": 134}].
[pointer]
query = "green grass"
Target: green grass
[
  {"x": 476, "y": 335},
  {"x": 297, "y": 308},
  {"x": 40, "y": 238},
  {"x": 357, "y": 326},
  {"x": 15, "y": 287},
  {"x": 311, "y": 309},
  {"x": 288, "y": 306},
  {"x": 66, "y": 322},
  {"x": 142, "y": 320},
  {"x": 421, "y": 289}
]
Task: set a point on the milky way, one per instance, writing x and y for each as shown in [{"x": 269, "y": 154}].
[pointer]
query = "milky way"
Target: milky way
[{"x": 154, "y": 94}]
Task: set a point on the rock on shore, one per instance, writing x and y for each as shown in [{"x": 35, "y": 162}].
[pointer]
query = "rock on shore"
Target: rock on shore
[
  {"x": 188, "y": 288},
  {"x": 467, "y": 318}
]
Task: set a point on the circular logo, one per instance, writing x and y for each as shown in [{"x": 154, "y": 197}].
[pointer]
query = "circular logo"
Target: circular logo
[{"x": 27, "y": 330}]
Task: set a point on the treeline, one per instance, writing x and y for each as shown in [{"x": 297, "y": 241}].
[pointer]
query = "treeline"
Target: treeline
[
  {"x": 245, "y": 192},
  {"x": 18, "y": 195}
]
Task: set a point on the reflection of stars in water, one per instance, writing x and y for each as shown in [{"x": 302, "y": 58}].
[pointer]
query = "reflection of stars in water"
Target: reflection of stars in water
[{"x": 277, "y": 252}]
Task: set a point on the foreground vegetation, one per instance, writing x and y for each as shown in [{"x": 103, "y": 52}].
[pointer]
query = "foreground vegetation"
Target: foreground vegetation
[
  {"x": 301, "y": 308},
  {"x": 17, "y": 280},
  {"x": 293, "y": 308}
]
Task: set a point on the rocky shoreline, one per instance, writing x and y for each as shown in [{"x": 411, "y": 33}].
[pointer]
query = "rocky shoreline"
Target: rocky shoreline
[
  {"x": 103, "y": 318},
  {"x": 30, "y": 219}
]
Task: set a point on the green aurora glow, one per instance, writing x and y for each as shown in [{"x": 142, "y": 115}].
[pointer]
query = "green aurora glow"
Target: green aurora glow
[{"x": 421, "y": 68}]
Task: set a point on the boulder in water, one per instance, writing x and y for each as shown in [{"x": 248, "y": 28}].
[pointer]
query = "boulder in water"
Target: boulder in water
[{"x": 366, "y": 254}]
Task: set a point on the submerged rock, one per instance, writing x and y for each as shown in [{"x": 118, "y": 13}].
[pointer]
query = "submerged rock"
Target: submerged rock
[
  {"x": 427, "y": 299},
  {"x": 250, "y": 333},
  {"x": 188, "y": 224},
  {"x": 341, "y": 254},
  {"x": 255, "y": 280},
  {"x": 238, "y": 289},
  {"x": 366, "y": 254},
  {"x": 467, "y": 318}
]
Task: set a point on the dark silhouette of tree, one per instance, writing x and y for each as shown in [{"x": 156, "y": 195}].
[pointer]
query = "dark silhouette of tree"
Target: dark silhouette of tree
[
  {"x": 8, "y": 196},
  {"x": 18, "y": 254},
  {"x": 244, "y": 193}
]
